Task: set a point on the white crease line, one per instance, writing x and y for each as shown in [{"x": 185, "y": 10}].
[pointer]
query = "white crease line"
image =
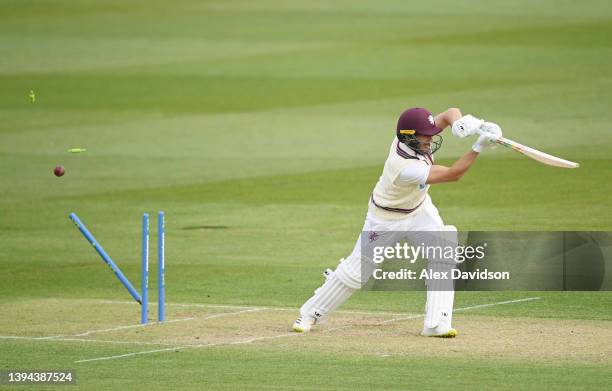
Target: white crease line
[
  {"x": 113, "y": 342},
  {"x": 498, "y": 303},
  {"x": 127, "y": 355},
  {"x": 296, "y": 310},
  {"x": 128, "y": 327},
  {"x": 402, "y": 318},
  {"x": 251, "y": 340},
  {"x": 464, "y": 309},
  {"x": 68, "y": 338},
  {"x": 411, "y": 317},
  {"x": 203, "y": 305},
  {"x": 28, "y": 338},
  {"x": 456, "y": 310},
  {"x": 219, "y": 315},
  {"x": 222, "y": 314},
  {"x": 60, "y": 338},
  {"x": 177, "y": 348},
  {"x": 254, "y": 339}
]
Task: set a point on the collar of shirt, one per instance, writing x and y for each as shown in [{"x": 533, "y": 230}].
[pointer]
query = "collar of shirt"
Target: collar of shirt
[{"x": 425, "y": 157}]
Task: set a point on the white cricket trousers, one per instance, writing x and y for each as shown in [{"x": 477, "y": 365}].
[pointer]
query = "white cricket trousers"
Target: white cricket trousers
[{"x": 348, "y": 276}]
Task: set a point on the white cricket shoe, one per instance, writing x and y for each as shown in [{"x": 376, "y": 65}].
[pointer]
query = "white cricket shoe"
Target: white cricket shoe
[
  {"x": 440, "y": 332},
  {"x": 303, "y": 324}
]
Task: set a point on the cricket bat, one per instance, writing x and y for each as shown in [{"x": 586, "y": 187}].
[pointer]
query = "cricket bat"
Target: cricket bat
[{"x": 535, "y": 154}]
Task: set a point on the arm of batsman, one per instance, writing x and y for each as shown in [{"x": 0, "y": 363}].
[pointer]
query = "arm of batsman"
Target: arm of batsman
[{"x": 466, "y": 126}]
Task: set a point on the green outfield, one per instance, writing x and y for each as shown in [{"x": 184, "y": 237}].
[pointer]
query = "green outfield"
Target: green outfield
[{"x": 260, "y": 129}]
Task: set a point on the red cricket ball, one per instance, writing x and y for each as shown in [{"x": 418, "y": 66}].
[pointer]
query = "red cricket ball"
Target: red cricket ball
[{"x": 59, "y": 170}]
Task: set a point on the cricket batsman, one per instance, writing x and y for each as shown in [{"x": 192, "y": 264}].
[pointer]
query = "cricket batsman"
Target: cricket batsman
[{"x": 399, "y": 202}]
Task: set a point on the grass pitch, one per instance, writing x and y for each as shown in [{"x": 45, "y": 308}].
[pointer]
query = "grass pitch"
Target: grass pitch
[{"x": 260, "y": 129}]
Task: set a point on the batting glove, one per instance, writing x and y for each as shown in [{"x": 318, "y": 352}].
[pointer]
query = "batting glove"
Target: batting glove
[
  {"x": 466, "y": 126},
  {"x": 489, "y": 132}
]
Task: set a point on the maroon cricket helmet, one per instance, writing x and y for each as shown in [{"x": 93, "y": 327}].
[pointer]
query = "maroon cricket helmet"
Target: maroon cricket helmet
[{"x": 416, "y": 121}]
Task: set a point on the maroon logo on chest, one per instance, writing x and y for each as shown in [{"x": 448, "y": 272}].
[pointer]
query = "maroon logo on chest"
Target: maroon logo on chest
[{"x": 373, "y": 236}]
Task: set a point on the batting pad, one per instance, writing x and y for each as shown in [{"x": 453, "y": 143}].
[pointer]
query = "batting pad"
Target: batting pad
[
  {"x": 440, "y": 285},
  {"x": 327, "y": 298},
  {"x": 440, "y": 297}
]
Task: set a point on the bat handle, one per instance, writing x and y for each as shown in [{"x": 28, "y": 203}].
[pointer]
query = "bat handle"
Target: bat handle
[
  {"x": 502, "y": 140},
  {"x": 482, "y": 133}
]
